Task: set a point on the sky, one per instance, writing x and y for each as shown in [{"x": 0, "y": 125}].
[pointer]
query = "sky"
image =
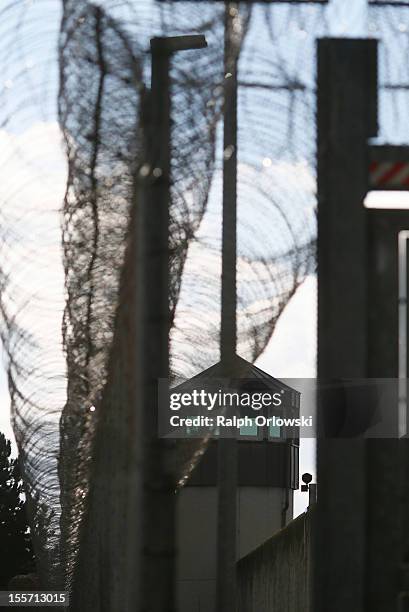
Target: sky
[
  {"x": 291, "y": 353},
  {"x": 32, "y": 185}
]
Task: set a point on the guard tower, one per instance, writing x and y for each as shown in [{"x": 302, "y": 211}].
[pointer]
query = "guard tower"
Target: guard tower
[{"x": 267, "y": 469}]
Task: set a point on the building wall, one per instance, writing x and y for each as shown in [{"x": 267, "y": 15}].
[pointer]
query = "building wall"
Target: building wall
[
  {"x": 277, "y": 576},
  {"x": 259, "y": 516}
]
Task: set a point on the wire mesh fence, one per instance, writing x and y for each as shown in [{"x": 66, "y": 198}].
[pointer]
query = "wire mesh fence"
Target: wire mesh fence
[{"x": 72, "y": 76}]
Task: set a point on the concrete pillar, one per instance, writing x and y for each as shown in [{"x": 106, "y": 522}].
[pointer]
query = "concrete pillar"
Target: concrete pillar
[{"x": 346, "y": 119}]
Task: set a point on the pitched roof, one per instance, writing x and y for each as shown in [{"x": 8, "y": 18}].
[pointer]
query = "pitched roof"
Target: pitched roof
[{"x": 241, "y": 368}]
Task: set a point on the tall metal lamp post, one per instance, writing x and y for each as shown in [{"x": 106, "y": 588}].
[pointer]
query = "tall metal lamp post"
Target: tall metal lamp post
[{"x": 158, "y": 567}]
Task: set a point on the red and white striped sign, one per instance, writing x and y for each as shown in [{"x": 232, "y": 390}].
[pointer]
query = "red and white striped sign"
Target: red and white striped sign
[{"x": 389, "y": 175}]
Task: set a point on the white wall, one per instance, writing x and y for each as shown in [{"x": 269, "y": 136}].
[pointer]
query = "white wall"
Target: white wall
[{"x": 258, "y": 518}]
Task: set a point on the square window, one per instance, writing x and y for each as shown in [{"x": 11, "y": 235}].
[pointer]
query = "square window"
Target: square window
[
  {"x": 274, "y": 431},
  {"x": 249, "y": 430}
]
